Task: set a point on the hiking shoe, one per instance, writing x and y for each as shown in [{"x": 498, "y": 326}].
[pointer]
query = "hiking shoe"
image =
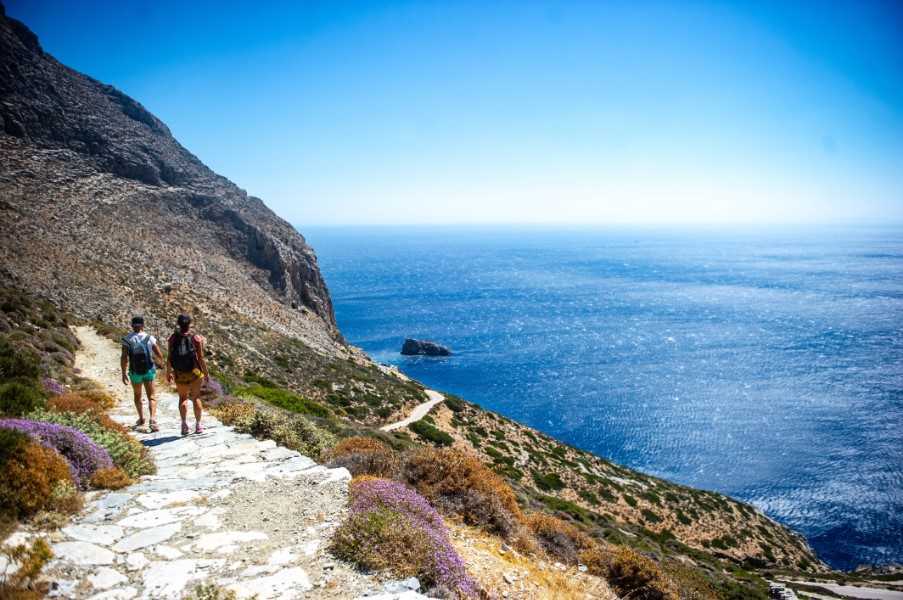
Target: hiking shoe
[
  {"x": 153, "y": 427},
  {"x": 199, "y": 428},
  {"x": 185, "y": 430}
]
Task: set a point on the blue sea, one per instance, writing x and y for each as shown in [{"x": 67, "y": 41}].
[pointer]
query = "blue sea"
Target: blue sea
[{"x": 764, "y": 364}]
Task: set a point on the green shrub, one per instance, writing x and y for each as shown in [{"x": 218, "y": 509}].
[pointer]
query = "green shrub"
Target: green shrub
[
  {"x": 650, "y": 517},
  {"x": 454, "y": 403},
  {"x": 294, "y": 432},
  {"x": 127, "y": 453},
  {"x": 589, "y": 496},
  {"x": 432, "y": 433},
  {"x": 285, "y": 399},
  {"x": 18, "y": 361},
  {"x": 381, "y": 540},
  {"x": 569, "y": 508},
  {"x": 252, "y": 377},
  {"x": 18, "y": 399},
  {"x": 548, "y": 481}
]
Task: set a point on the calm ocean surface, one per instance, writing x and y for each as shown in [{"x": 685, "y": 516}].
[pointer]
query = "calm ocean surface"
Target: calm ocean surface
[{"x": 765, "y": 365}]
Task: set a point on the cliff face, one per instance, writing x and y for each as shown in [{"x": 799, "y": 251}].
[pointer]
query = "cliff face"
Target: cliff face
[{"x": 101, "y": 205}]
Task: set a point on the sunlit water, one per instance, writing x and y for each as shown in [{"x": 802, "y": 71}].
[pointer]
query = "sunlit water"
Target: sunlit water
[{"x": 765, "y": 365}]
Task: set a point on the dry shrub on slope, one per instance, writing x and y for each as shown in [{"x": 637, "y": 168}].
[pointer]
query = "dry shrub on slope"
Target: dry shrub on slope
[
  {"x": 634, "y": 576},
  {"x": 457, "y": 483},
  {"x": 32, "y": 477},
  {"x": 365, "y": 456}
]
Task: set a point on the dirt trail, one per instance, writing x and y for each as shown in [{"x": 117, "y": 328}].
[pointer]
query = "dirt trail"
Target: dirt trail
[
  {"x": 418, "y": 413},
  {"x": 223, "y": 508}
]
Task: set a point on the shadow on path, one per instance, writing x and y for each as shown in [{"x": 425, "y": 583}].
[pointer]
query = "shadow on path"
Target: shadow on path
[{"x": 161, "y": 440}]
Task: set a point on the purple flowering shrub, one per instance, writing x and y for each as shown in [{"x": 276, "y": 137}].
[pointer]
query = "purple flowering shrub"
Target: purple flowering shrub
[
  {"x": 53, "y": 387},
  {"x": 84, "y": 456},
  {"x": 392, "y": 527}
]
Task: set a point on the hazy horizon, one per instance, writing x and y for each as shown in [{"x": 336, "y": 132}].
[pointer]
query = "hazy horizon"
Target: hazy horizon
[{"x": 392, "y": 113}]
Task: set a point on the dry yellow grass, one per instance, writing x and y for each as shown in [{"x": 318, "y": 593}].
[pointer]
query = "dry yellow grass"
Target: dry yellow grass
[{"x": 528, "y": 577}]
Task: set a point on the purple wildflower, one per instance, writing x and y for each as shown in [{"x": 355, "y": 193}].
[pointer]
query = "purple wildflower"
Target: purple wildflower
[
  {"x": 83, "y": 455},
  {"x": 53, "y": 387},
  {"x": 382, "y": 494},
  {"x": 215, "y": 387}
]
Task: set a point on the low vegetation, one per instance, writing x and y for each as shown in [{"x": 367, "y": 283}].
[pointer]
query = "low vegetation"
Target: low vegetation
[
  {"x": 392, "y": 528},
  {"x": 290, "y": 430},
  {"x": 23, "y": 583},
  {"x": 365, "y": 456},
  {"x": 56, "y": 439}
]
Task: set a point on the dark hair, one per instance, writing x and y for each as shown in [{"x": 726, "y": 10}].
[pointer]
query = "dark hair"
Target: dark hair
[
  {"x": 137, "y": 320},
  {"x": 184, "y": 322}
]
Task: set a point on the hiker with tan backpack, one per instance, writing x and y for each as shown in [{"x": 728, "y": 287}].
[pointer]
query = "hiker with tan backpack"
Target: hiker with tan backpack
[{"x": 187, "y": 368}]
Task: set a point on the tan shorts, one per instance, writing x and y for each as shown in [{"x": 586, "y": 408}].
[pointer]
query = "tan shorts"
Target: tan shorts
[
  {"x": 187, "y": 377},
  {"x": 188, "y": 384}
]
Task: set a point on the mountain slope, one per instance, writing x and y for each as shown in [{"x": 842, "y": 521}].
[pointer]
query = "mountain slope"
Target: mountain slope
[{"x": 81, "y": 158}]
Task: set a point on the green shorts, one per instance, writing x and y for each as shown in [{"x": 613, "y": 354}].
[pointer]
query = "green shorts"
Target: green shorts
[{"x": 143, "y": 378}]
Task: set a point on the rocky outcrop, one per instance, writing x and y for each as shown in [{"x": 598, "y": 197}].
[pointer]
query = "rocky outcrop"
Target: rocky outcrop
[
  {"x": 412, "y": 347},
  {"x": 102, "y": 205}
]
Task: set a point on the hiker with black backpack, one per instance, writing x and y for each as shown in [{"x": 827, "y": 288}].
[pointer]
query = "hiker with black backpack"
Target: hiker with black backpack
[
  {"x": 139, "y": 361},
  {"x": 186, "y": 366}
]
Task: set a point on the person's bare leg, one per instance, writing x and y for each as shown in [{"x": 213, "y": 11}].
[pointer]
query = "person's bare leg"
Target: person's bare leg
[
  {"x": 136, "y": 388},
  {"x": 196, "y": 399},
  {"x": 183, "y": 404},
  {"x": 151, "y": 392}
]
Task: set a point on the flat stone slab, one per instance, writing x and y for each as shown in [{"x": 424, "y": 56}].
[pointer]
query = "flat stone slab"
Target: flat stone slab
[
  {"x": 96, "y": 534},
  {"x": 168, "y": 579},
  {"x": 83, "y": 553},
  {"x": 147, "y": 537},
  {"x": 136, "y": 561},
  {"x": 214, "y": 541},
  {"x": 105, "y": 578},
  {"x": 150, "y": 518},
  {"x": 157, "y": 500},
  {"x": 288, "y": 583},
  {"x": 126, "y": 593}
]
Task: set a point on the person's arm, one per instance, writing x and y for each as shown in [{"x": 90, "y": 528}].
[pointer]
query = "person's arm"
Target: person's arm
[
  {"x": 124, "y": 365},
  {"x": 158, "y": 355},
  {"x": 169, "y": 376},
  {"x": 199, "y": 350}
]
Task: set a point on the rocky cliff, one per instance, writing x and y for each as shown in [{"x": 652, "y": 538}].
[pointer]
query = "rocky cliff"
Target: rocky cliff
[{"x": 105, "y": 212}]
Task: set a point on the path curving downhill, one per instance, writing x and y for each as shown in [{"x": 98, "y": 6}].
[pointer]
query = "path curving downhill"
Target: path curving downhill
[
  {"x": 418, "y": 413},
  {"x": 223, "y": 508}
]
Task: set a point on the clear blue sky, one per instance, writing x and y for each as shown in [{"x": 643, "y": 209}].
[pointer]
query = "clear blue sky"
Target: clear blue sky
[{"x": 459, "y": 112}]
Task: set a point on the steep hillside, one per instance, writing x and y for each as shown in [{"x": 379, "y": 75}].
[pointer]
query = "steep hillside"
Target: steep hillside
[
  {"x": 105, "y": 211},
  {"x": 620, "y": 504}
]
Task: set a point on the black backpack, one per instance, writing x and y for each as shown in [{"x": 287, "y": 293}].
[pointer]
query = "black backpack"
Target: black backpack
[
  {"x": 140, "y": 361},
  {"x": 182, "y": 353}
]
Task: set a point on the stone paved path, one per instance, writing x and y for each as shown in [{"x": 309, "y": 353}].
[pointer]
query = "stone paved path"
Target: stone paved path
[{"x": 223, "y": 508}]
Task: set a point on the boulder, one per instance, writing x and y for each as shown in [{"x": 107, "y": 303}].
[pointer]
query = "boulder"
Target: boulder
[{"x": 414, "y": 347}]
